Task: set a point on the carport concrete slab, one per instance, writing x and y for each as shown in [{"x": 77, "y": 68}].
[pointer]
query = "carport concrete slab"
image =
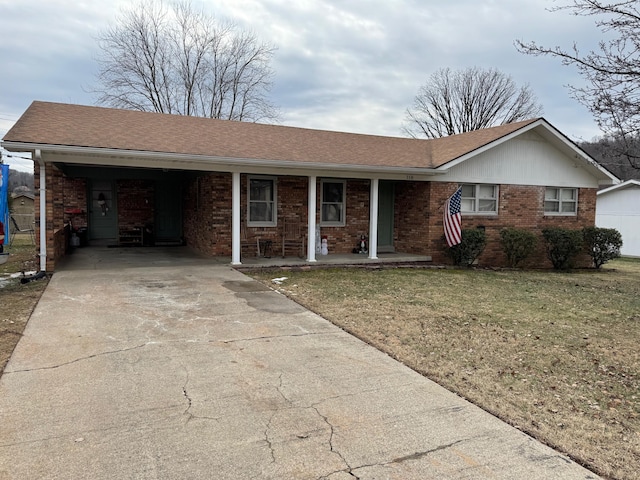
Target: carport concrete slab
[{"x": 177, "y": 367}]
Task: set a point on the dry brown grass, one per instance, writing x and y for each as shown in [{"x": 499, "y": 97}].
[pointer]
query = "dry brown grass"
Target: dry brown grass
[
  {"x": 555, "y": 354},
  {"x": 17, "y": 301}
]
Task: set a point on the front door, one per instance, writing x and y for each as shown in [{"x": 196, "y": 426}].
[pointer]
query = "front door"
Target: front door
[
  {"x": 103, "y": 214},
  {"x": 386, "y": 200},
  {"x": 168, "y": 222}
]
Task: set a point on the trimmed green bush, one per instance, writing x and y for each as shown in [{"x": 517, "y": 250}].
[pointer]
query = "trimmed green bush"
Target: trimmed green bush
[
  {"x": 517, "y": 244},
  {"x": 603, "y": 244},
  {"x": 562, "y": 246},
  {"x": 469, "y": 249}
]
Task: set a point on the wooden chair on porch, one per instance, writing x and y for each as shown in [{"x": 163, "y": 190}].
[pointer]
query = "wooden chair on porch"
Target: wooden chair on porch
[
  {"x": 248, "y": 240},
  {"x": 292, "y": 236}
]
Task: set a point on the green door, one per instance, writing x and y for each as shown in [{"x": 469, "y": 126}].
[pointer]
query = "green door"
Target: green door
[
  {"x": 386, "y": 200},
  {"x": 103, "y": 212},
  {"x": 168, "y": 222}
]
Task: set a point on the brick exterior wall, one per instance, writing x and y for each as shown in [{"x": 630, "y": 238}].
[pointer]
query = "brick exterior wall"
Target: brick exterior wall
[
  {"x": 519, "y": 207},
  {"x": 75, "y": 198},
  {"x": 411, "y": 217},
  {"x": 207, "y": 212},
  {"x": 135, "y": 203},
  {"x": 55, "y": 219},
  {"x": 345, "y": 239}
]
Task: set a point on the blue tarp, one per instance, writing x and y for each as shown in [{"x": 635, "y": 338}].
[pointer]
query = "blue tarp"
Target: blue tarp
[{"x": 4, "y": 205}]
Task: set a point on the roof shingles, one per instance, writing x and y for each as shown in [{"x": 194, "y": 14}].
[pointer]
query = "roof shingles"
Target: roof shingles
[{"x": 46, "y": 123}]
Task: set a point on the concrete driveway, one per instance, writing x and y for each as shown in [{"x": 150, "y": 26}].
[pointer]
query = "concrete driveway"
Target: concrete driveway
[{"x": 155, "y": 364}]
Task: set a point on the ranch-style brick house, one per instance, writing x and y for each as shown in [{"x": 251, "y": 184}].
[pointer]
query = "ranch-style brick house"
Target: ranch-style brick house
[{"x": 129, "y": 177}]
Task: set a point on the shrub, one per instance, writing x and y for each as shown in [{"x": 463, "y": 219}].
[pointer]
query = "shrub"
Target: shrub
[
  {"x": 603, "y": 244},
  {"x": 473, "y": 242},
  {"x": 517, "y": 244},
  {"x": 562, "y": 246}
]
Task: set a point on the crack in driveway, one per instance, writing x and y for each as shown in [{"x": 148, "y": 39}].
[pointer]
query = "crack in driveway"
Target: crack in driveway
[
  {"x": 268, "y": 337},
  {"x": 89, "y": 357},
  {"x": 331, "y": 445},
  {"x": 418, "y": 455}
]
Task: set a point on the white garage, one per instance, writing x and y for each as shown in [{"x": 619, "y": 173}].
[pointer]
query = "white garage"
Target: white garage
[{"x": 619, "y": 207}]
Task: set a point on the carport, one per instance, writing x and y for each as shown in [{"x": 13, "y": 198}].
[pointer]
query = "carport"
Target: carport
[
  {"x": 124, "y": 206},
  {"x": 119, "y": 173}
]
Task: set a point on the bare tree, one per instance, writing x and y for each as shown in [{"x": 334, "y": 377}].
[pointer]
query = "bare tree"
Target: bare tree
[
  {"x": 458, "y": 101},
  {"x": 175, "y": 59},
  {"x": 609, "y": 152},
  {"x": 612, "y": 71}
]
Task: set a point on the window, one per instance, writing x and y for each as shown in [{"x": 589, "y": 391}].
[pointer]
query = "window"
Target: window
[
  {"x": 333, "y": 199},
  {"x": 560, "y": 201},
  {"x": 479, "y": 199},
  {"x": 262, "y": 202}
]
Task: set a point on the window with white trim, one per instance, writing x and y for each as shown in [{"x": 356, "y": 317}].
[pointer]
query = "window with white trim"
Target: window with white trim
[
  {"x": 332, "y": 210},
  {"x": 261, "y": 195},
  {"x": 479, "y": 198},
  {"x": 560, "y": 201}
]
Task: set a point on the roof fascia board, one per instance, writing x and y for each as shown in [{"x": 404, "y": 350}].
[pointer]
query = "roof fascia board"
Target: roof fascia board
[
  {"x": 581, "y": 154},
  {"x": 133, "y": 158},
  {"x": 619, "y": 186}
]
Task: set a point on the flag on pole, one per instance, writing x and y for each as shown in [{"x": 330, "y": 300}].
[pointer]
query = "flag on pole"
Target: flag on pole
[{"x": 452, "y": 221}]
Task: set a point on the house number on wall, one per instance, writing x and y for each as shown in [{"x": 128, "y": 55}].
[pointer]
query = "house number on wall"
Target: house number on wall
[{"x": 409, "y": 177}]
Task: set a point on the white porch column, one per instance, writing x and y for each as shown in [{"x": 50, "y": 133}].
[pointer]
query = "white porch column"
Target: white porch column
[
  {"x": 235, "y": 219},
  {"x": 311, "y": 215},
  {"x": 373, "y": 219},
  {"x": 43, "y": 211}
]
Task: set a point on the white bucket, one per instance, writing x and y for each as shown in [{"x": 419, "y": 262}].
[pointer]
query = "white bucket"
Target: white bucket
[{"x": 3, "y": 258}]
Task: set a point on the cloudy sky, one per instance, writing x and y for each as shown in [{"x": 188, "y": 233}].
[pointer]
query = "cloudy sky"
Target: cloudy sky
[{"x": 347, "y": 65}]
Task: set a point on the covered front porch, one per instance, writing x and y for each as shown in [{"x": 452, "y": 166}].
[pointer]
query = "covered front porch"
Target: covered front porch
[{"x": 224, "y": 214}]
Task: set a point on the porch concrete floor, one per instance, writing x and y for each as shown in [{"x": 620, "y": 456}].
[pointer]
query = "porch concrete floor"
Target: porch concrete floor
[
  {"x": 335, "y": 260},
  {"x": 94, "y": 257}
]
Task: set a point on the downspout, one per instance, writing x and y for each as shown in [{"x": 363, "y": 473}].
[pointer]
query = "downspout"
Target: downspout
[{"x": 43, "y": 211}]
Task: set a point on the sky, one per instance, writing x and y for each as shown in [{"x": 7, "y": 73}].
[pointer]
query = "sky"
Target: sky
[{"x": 344, "y": 65}]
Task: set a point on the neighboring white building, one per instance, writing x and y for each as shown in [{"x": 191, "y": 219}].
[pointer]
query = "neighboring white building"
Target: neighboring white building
[{"x": 619, "y": 207}]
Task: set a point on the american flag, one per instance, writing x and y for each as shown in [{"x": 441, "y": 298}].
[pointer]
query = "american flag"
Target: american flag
[{"x": 452, "y": 222}]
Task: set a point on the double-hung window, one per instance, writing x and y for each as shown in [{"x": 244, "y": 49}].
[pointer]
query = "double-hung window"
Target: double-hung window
[
  {"x": 333, "y": 193},
  {"x": 560, "y": 201},
  {"x": 262, "y": 201},
  {"x": 479, "y": 198}
]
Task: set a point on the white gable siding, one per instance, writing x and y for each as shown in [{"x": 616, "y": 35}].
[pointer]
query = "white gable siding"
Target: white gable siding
[
  {"x": 620, "y": 209},
  {"x": 525, "y": 160}
]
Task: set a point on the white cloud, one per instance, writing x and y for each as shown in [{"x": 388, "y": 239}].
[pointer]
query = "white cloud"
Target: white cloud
[{"x": 352, "y": 66}]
